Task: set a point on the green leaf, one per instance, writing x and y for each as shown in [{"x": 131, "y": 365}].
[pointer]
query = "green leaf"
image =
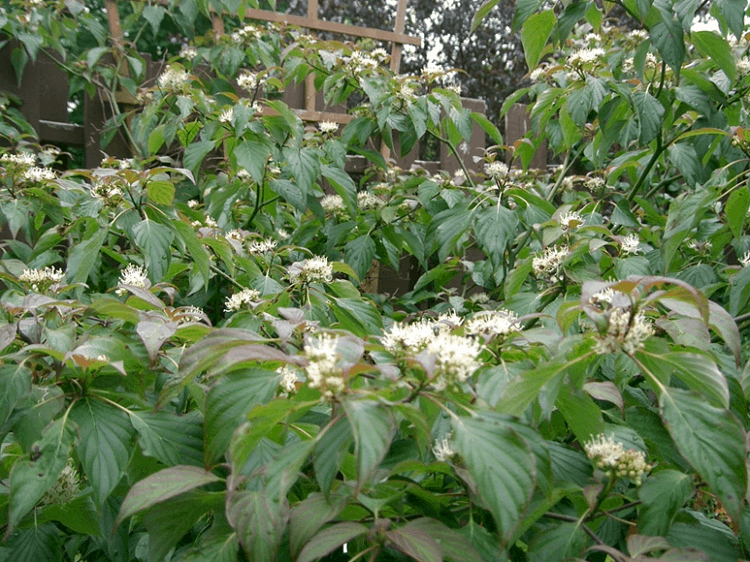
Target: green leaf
[
  {"x": 37, "y": 544},
  {"x": 259, "y": 523},
  {"x": 581, "y": 413},
  {"x": 713, "y": 45},
  {"x": 328, "y": 540},
  {"x": 30, "y": 479},
  {"x": 161, "y": 486},
  {"x": 447, "y": 227},
  {"x": 493, "y": 228},
  {"x": 372, "y": 426},
  {"x": 453, "y": 546},
  {"x": 662, "y": 494},
  {"x": 524, "y": 9},
  {"x": 667, "y": 37},
  {"x": 739, "y": 291},
  {"x": 557, "y": 543},
  {"x": 578, "y": 103},
  {"x": 154, "y": 335},
  {"x": 650, "y": 114},
  {"x": 154, "y": 15},
  {"x": 524, "y": 389},
  {"x": 168, "y": 521},
  {"x": 105, "y": 444},
  {"x": 343, "y": 185},
  {"x": 172, "y": 439},
  {"x": 253, "y": 156},
  {"x": 154, "y": 241},
  {"x": 713, "y": 442},
  {"x": 359, "y": 253},
  {"x": 79, "y": 515},
  {"x": 699, "y": 372},
  {"x": 415, "y": 543},
  {"x": 194, "y": 246},
  {"x": 482, "y": 13},
  {"x": 535, "y": 34},
  {"x": 309, "y": 515},
  {"x": 83, "y": 256},
  {"x": 506, "y": 487},
  {"x": 195, "y": 153},
  {"x": 161, "y": 192},
  {"x": 488, "y": 127},
  {"x": 329, "y": 453},
  {"x": 733, "y": 12},
  {"x": 229, "y": 401},
  {"x": 304, "y": 165},
  {"x": 736, "y": 210}
]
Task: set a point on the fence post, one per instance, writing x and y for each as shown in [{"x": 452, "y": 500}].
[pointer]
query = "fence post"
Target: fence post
[
  {"x": 517, "y": 124},
  {"x": 474, "y": 147}
]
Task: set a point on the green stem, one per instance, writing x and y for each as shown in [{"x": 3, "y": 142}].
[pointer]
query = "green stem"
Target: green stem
[
  {"x": 647, "y": 170},
  {"x": 452, "y": 148}
]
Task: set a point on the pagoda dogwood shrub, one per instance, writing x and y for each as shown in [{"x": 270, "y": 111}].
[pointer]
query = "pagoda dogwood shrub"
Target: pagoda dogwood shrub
[{"x": 193, "y": 366}]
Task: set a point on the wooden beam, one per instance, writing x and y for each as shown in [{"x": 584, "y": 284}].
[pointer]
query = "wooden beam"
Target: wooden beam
[
  {"x": 396, "y": 47},
  {"x": 115, "y": 28},
  {"x": 334, "y": 27},
  {"x": 314, "y": 116}
]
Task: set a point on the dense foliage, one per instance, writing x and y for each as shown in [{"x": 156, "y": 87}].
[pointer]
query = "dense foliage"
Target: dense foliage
[{"x": 193, "y": 368}]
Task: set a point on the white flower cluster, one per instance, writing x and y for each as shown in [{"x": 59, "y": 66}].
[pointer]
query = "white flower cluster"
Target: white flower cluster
[
  {"x": 288, "y": 382},
  {"x": 249, "y": 31},
  {"x": 366, "y": 201},
  {"x": 442, "y": 449},
  {"x": 379, "y": 54},
  {"x": 630, "y": 244},
  {"x": 624, "y": 332},
  {"x": 411, "y": 338},
  {"x": 173, "y": 78},
  {"x": 227, "y": 115},
  {"x": 650, "y": 62},
  {"x": 359, "y": 61},
  {"x": 105, "y": 192},
  {"x": 247, "y": 81},
  {"x": 193, "y": 203},
  {"x": 493, "y": 323},
  {"x": 571, "y": 221},
  {"x": 41, "y": 278},
  {"x": 638, "y": 35},
  {"x": 328, "y": 127},
  {"x": 234, "y": 235},
  {"x": 586, "y": 56},
  {"x": 595, "y": 184},
  {"x": 612, "y": 458},
  {"x": 241, "y": 300},
  {"x": 496, "y": 170},
  {"x": 189, "y": 314},
  {"x": 547, "y": 266},
  {"x": 743, "y": 66},
  {"x": 65, "y": 489},
  {"x": 456, "y": 358},
  {"x": 258, "y": 247},
  {"x": 334, "y": 205},
  {"x": 188, "y": 52},
  {"x": 605, "y": 295},
  {"x": 745, "y": 260},
  {"x": 311, "y": 270},
  {"x": 480, "y": 298},
  {"x": 24, "y": 159},
  {"x": 133, "y": 275},
  {"x": 323, "y": 370},
  {"x": 36, "y": 174}
]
